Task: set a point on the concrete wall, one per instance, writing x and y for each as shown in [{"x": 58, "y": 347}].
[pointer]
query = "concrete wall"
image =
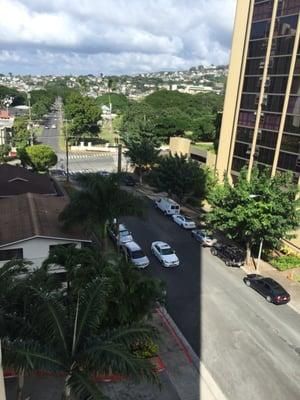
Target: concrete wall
[
  {"x": 180, "y": 146},
  {"x": 36, "y": 250}
]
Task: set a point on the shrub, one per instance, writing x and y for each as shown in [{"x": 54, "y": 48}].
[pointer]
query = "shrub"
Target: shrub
[
  {"x": 286, "y": 262},
  {"x": 145, "y": 349}
]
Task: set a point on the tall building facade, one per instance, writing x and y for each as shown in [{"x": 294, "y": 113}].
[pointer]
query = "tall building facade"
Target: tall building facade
[{"x": 261, "y": 116}]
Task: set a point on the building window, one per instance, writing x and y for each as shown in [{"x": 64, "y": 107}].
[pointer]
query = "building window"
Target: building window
[
  {"x": 252, "y": 84},
  {"x": 249, "y": 101},
  {"x": 267, "y": 139},
  {"x": 290, "y": 143},
  {"x": 257, "y": 48},
  {"x": 295, "y": 89},
  {"x": 276, "y": 84},
  {"x": 262, "y": 11},
  {"x": 246, "y": 118},
  {"x": 282, "y": 45},
  {"x": 238, "y": 164},
  {"x": 254, "y": 66},
  {"x": 260, "y": 30},
  {"x": 244, "y": 134},
  {"x": 294, "y": 105},
  {"x": 286, "y": 26},
  {"x": 266, "y": 156},
  {"x": 288, "y": 7},
  {"x": 242, "y": 150},
  {"x": 292, "y": 124},
  {"x": 297, "y": 66},
  {"x": 270, "y": 121},
  {"x": 273, "y": 103},
  {"x": 10, "y": 254},
  {"x": 280, "y": 65},
  {"x": 287, "y": 161}
]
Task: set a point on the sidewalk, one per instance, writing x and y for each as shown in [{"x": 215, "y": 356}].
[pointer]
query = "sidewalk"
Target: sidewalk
[
  {"x": 265, "y": 268},
  {"x": 281, "y": 277}
]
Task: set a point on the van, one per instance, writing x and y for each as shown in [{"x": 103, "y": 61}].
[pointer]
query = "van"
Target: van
[
  {"x": 167, "y": 206},
  {"x": 135, "y": 254}
]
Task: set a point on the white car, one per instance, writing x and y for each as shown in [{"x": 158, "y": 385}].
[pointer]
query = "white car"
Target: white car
[
  {"x": 184, "y": 221},
  {"x": 53, "y": 126},
  {"x": 165, "y": 254},
  {"x": 135, "y": 255}
]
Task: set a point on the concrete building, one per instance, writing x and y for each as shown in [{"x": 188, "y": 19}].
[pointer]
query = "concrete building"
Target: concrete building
[{"x": 261, "y": 118}]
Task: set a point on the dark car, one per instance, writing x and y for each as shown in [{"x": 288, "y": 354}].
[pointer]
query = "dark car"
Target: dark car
[
  {"x": 129, "y": 180},
  {"x": 231, "y": 255},
  {"x": 267, "y": 287}
]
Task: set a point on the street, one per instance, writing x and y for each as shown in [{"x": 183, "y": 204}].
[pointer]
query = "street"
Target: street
[
  {"x": 251, "y": 347},
  {"x": 80, "y": 161}
]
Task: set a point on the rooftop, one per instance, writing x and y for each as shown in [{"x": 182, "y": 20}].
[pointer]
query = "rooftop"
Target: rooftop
[{"x": 32, "y": 215}]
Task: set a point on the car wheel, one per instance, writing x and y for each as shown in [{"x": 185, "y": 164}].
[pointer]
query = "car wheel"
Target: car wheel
[
  {"x": 165, "y": 212},
  {"x": 269, "y": 300},
  {"x": 228, "y": 263},
  {"x": 214, "y": 252},
  {"x": 248, "y": 283}
]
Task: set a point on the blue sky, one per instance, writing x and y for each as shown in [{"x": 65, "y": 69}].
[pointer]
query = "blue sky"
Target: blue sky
[{"x": 113, "y": 36}]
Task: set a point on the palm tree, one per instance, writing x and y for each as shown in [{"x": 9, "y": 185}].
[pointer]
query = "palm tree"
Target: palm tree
[
  {"x": 100, "y": 202},
  {"x": 134, "y": 295},
  {"x": 70, "y": 338}
]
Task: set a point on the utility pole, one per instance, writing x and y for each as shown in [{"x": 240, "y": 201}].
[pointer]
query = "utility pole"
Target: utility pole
[
  {"x": 67, "y": 150},
  {"x": 119, "y": 158},
  {"x": 30, "y": 119}
]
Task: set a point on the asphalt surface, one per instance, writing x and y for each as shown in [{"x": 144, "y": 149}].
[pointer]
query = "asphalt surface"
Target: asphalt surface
[
  {"x": 251, "y": 347},
  {"x": 78, "y": 162}
]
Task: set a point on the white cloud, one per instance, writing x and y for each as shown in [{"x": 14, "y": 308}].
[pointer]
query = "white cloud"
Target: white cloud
[{"x": 115, "y": 36}]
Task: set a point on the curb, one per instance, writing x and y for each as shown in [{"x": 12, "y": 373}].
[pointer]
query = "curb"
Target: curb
[{"x": 205, "y": 377}]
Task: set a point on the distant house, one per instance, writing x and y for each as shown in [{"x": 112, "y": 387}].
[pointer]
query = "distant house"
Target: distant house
[
  {"x": 6, "y": 123},
  {"x": 16, "y": 180},
  {"x": 30, "y": 228}
]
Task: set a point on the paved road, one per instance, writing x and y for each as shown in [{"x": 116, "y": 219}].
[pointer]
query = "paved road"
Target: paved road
[{"x": 251, "y": 347}]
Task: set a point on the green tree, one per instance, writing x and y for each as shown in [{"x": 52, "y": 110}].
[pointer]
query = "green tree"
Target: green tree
[
  {"x": 204, "y": 128},
  {"x": 99, "y": 203},
  {"x": 143, "y": 155},
  {"x": 135, "y": 294},
  {"x": 4, "y": 151},
  {"x": 69, "y": 337},
  {"x": 264, "y": 208},
  {"x": 41, "y": 157},
  {"x": 20, "y": 133},
  {"x": 180, "y": 176},
  {"x": 118, "y": 101}
]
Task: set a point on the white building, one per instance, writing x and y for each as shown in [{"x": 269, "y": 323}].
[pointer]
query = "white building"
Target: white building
[{"x": 30, "y": 228}]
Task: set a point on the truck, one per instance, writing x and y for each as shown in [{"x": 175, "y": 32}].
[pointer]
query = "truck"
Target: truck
[{"x": 167, "y": 206}]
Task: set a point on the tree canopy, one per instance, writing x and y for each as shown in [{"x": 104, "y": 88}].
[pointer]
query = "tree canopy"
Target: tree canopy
[
  {"x": 41, "y": 157},
  {"x": 264, "y": 208},
  {"x": 118, "y": 101},
  {"x": 180, "y": 176}
]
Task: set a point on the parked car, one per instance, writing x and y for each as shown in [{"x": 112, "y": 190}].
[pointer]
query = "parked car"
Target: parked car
[
  {"x": 129, "y": 180},
  {"x": 165, "y": 254},
  {"x": 104, "y": 173},
  {"x": 183, "y": 221},
  {"x": 167, "y": 206},
  {"x": 53, "y": 126},
  {"x": 267, "y": 287},
  {"x": 231, "y": 255},
  {"x": 202, "y": 237},
  {"x": 135, "y": 254},
  {"x": 119, "y": 235}
]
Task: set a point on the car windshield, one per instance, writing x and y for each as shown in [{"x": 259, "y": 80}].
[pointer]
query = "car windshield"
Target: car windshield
[
  {"x": 124, "y": 233},
  {"x": 187, "y": 219},
  {"x": 167, "y": 251},
  {"x": 137, "y": 254}
]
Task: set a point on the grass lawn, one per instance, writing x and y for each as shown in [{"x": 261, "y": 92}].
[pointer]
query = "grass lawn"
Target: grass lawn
[
  {"x": 207, "y": 146},
  {"x": 107, "y": 135}
]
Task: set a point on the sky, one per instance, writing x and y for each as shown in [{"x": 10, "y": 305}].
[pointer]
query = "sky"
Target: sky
[{"x": 113, "y": 36}]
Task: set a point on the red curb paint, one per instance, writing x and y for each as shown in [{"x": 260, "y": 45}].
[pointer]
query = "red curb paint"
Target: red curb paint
[{"x": 176, "y": 337}]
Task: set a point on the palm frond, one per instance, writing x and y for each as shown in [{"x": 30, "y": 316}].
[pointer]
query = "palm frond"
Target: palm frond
[
  {"x": 30, "y": 356},
  {"x": 92, "y": 307},
  {"x": 84, "y": 388}
]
